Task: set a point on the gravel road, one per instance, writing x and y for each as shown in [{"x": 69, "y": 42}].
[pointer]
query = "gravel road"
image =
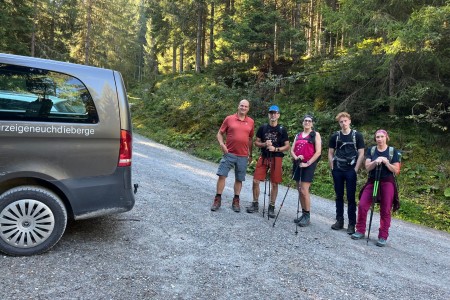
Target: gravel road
[{"x": 171, "y": 246}]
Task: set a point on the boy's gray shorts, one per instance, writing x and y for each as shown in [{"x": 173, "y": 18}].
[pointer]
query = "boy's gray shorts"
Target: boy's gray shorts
[{"x": 229, "y": 161}]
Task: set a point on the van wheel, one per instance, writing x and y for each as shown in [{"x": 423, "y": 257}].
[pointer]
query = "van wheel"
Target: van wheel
[{"x": 32, "y": 220}]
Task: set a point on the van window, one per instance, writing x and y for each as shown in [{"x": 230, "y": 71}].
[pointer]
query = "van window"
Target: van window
[{"x": 31, "y": 94}]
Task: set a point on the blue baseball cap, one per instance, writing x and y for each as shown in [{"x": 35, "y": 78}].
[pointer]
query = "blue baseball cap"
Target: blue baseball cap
[{"x": 274, "y": 108}]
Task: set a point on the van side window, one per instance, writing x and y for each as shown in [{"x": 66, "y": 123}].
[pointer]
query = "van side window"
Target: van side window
[{"x": 31, "y": 94}]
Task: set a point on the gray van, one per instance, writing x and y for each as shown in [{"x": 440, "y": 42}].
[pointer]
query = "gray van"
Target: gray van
[{"x": 65, "y": 149}]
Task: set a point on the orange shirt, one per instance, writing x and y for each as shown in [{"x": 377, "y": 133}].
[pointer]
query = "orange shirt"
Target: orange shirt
[{"x": 238, "y": 134}]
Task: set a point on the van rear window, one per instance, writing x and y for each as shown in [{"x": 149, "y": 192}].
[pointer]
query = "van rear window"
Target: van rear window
[{"x": 31, "y": 94}]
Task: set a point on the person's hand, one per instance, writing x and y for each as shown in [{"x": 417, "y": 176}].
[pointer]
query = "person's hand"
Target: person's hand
[
  {"x": 224, "y": 149},
  {"x": 250, "y": 159},
  {"x": 268, "y": 143},
  {"x": 379, "y": 160}
]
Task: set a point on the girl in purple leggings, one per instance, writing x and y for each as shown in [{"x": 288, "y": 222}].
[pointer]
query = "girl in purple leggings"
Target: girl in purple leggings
[{"x": 389, "y": 160}]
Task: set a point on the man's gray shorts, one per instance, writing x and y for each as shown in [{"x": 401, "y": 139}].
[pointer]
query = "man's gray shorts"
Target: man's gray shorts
[{"x": 229, "y": 161}]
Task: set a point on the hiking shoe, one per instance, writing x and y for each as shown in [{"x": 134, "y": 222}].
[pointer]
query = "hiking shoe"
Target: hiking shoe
[
  {"x": 235, "y": 205},
  {"x": 271, "y": 211},
  {"x": 305, "y": 220},
  {"x": 253, "y": 207},
  {"x": 350, "y": 229},
  {"x": 381, "y": 242},
  {"x": 357, "y": 236},
  {"x": 297, "y": 220},
  {"x": 338, "y": 225},
  {"x": 216, "y": 204}
]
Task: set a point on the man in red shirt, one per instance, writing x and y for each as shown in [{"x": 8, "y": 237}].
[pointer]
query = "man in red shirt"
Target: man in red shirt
[{"x": 238, "y": 131}]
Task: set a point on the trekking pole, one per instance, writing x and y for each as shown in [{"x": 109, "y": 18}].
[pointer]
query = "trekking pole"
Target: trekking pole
[
  {"x": 374, "y": 197},
  {"x": 282, "y": 202},
  {"x": 270, "y": 182},
  {"x": 265, "y": 186},
  {"x": 298, "y": 200}
]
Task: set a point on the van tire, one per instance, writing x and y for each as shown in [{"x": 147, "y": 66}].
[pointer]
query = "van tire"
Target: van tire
[{"x": 32, "y": 220}]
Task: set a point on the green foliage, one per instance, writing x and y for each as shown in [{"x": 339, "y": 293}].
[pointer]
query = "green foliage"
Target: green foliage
[{"x": 185, "y": 112}]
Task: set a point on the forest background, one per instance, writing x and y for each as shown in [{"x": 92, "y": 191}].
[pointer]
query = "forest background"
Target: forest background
[{"x": 187, "y": 63}]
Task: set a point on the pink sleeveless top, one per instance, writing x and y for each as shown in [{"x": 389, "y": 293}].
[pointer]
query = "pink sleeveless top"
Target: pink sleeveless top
[{"x": 303, "y": 147}]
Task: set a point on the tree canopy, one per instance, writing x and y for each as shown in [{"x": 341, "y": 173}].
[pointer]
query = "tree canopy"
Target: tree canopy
[{"x": 383, "y": 56}]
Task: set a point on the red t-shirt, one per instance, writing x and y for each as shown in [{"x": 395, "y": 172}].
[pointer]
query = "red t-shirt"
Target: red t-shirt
[
  {"x": 238, "y": 134},
  {"x": 303, "y": 147}
]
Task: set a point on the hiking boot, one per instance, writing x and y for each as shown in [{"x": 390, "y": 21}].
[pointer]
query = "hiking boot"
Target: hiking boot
[
  {"x": 381, "y": 242},
  {"x": 357, "y": 236},
  {"x": 235, "y": 205},
  {"x": 305, "y": 220},
  {"x": 297, "y": 220},
  {"x": 350, "y": 229},
  {"x": 253, "y": 207},
  {"x": 217, "y": 203},
  {"x": 338, "y": 225},
  {"x": 271, "y": 211}
]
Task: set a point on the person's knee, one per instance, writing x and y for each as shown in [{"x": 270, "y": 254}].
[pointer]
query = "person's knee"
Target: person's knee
[{"x": 304, "y": 191}]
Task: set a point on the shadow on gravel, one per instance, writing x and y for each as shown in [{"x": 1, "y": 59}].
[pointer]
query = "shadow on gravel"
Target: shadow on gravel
[{"x": 103, "y": 229}]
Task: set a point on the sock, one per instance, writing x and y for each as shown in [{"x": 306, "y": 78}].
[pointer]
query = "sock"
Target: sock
[
  {"x": 219, "y": 195},
  {"x": 236, "y": 196}
]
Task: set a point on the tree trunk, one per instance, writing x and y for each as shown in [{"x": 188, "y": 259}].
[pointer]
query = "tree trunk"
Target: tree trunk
[
  {"x": 33, "y": 34},
  {"x": 88, "y": 32},
  {"x": 181, "y": 58},
  {"x": 317, "y": 34},
  {"x": 310, "y": 28},
  {"x": 174, "y": 58},
  {"x": 392, "y": 86},
  {"x": 142, "y": 41},
  {"x": 203, "y": 48},
  {"x": 332, "y": 35},
  {"x": 199, "y": 37},
  {"x": 211, "y": 37}
]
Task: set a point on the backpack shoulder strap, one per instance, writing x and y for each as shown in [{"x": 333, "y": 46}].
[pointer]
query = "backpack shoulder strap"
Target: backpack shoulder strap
[
  {"x": 354, "y": 139},
  {"x": 391, "y": 153},
  {"x": 312, "y": 138},
  {"x": 338, "y": 135},
  {"x": 372, "y": 150}
]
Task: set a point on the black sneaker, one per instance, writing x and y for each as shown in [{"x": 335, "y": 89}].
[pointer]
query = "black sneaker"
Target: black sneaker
[
  {"x": 350, "y": 229},
  {"x": 271, "y": 211},
  {"x": 338, "y": 225},
  {"x": 253, "y": 207}
]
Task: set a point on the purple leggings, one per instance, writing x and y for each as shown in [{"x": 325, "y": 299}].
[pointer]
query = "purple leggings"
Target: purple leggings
[{"x": 387, "y": 196}]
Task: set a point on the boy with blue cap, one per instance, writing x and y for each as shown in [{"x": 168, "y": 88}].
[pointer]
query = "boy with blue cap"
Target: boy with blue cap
[{"x": 273, "y": 140}]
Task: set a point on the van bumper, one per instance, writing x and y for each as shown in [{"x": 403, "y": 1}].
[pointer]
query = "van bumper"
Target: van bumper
[{"x": 101, "y": 195}]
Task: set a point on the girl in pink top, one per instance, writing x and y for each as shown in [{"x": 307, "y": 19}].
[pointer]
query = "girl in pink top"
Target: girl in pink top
[{"x": 306, "y": 150}]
